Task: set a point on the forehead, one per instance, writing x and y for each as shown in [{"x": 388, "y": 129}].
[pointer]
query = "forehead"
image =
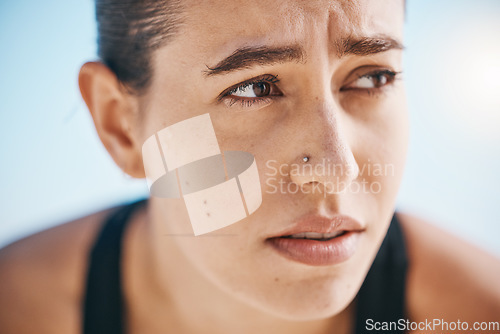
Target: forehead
[{"x": 220, "y": 25}]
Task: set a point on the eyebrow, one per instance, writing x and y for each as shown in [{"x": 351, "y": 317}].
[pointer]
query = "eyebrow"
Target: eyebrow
[
  {"x": 247, "y": 57},
  {"x": 366, "y": 46}
]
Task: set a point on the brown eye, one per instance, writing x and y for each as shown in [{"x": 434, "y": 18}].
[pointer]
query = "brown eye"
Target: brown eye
[
  {"x": 372, "y": 80},
  {"x": 258, "y": 89},
  {"x": 261, "y": 89}
]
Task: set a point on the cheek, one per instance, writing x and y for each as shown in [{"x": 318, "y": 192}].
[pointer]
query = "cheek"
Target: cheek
[
  {"x": 380, "y": 149},
  {"x": 379, "y": 130},
  {"x": 226, "y": 258},
  {"x": 392, "y": 132}
]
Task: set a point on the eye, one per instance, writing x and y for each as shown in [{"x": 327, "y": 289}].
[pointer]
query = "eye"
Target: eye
[
  {"x": 257, "y": 90},
  {"x": 371, "y": 81}
]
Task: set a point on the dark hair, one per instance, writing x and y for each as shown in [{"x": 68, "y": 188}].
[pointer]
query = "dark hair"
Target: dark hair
[{"x": 128, "y": 33}]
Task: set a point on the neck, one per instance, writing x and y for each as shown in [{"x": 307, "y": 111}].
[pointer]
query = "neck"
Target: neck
[{"x": 167, "y": 284}]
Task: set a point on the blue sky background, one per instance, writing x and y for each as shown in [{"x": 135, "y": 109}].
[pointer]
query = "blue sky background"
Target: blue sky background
[{"x": 54, "y": 168}]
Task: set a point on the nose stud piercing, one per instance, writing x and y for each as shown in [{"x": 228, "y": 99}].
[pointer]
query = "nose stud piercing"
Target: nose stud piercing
[{"x": 305, "y": 159}]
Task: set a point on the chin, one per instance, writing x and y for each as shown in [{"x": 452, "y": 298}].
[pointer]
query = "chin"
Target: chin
[
  {"x": 306, "y": 301},
  {"x": 313, "y": 293},
  {"x": 309, "y": 310}
]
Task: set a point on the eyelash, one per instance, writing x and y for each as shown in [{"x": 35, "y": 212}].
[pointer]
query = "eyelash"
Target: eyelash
[
  {"x": 273, "y": 79},
  {"x": 392, "y": 76},
  {"x": 247, "y": 102}
]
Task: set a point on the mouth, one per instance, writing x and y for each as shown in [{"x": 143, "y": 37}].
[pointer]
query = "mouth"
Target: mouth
[
  {"x": 315, "y": 235},
  {"x": 319, "y": 241}
]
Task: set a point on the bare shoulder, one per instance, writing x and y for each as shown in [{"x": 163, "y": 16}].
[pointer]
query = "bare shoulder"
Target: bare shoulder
[
  {"x": 449, "y": 278},
  {"x": 41, "y": 278}
]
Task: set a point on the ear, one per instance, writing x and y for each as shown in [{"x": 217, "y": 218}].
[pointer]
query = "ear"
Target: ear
[{"x": 113, "y": 110}]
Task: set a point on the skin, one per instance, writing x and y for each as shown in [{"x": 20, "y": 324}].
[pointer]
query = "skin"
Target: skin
[{"x": 231, "y": 281}]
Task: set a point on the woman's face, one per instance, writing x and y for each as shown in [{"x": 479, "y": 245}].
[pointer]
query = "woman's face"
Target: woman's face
[{"x": 332, "y": 95}]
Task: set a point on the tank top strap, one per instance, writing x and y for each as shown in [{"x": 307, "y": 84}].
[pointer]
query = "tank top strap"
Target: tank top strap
[
  {"x": 382, "y": 295},
  {"x": 103, "y": 302}
]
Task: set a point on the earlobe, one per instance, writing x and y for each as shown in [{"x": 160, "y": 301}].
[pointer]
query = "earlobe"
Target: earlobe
[{"x": 112, "y": 109}]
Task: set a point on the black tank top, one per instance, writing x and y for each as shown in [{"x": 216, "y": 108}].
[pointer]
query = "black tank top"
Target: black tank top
[{"x": 381, "y": 297}]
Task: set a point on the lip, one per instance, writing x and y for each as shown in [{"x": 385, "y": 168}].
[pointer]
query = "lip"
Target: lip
[{"x": 319, "y": 252}]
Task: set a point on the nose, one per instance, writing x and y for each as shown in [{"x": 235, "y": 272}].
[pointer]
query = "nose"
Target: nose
[{"x": 324, "y": 155}]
